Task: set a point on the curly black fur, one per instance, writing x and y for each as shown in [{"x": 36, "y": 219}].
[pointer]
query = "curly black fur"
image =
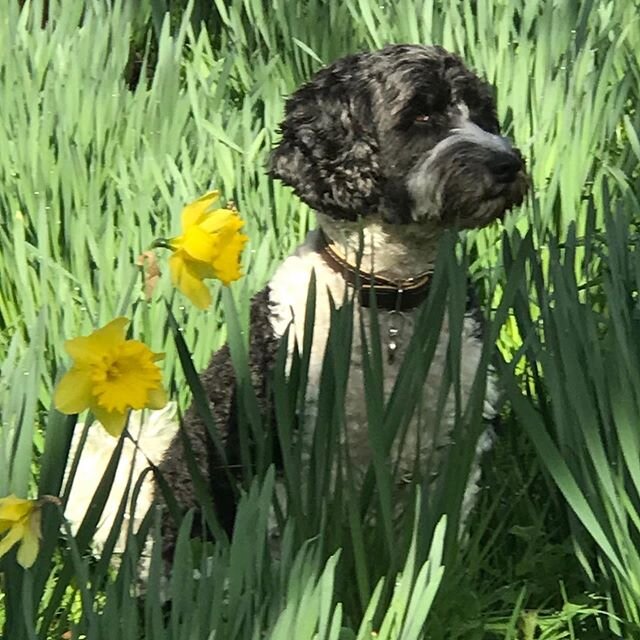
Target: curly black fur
[
  {"x": 219, "y": 382},
  {"x": 351, "y": 134},
  {"x": 407, "y": 133}
]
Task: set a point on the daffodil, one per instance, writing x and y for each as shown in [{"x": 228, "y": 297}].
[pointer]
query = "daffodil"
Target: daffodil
[
  {"x": 20, "y": 523},
  {"x": 209, "y": 247},
  {"x": 110, "y": 376}
]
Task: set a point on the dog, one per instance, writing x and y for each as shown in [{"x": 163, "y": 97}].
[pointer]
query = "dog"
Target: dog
[{"x": 390, "y": 148}]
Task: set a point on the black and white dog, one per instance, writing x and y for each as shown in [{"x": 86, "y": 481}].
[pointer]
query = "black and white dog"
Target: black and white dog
[{"x": 390, "y": 148}]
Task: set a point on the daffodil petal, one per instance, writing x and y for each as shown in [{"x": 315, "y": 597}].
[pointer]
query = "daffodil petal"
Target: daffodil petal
[
  {"x": 201, "y": 270},
  {"x": 82, "y": 350},
  {"x": 28, "y": 549},
  {"x": 194, "y": 210},
  {"x": 113, "y": 421},
  {"x": 157, "y": 398},
  {"x": 176, "y": 266},
  {"x": 220, "y": 219},
  {"x": 230, "y": 231},
  {"x": 186, "y": 279},
  {"x": 13, "y": 509},
  {"x": 200, "y": 245},
  {"x": 111, "y": 334},
  {"x": 73, "y": 393},
  {"x": 86, "y": 349},
  {"x": 15, "y": 534}
]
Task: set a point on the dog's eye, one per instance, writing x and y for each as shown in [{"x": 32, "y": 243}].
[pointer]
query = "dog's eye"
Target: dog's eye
[{"x": 421, "y": 118}]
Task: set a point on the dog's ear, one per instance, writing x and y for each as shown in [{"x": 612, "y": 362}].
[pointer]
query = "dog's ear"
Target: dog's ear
[{"x": 329, "y": 151}]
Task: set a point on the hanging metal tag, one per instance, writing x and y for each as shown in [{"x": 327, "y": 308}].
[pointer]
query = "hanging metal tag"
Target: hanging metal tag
[{"x": 396, "y": 320}]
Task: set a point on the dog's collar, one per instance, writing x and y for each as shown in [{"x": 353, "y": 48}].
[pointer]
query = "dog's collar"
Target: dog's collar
[{"x": 393, "y": 295}]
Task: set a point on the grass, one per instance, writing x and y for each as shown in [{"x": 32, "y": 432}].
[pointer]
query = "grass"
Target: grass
[{"x": 113, "y": 116}]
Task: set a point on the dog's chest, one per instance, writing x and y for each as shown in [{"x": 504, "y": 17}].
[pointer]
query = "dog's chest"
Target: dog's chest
[{"x": 426, "y": 434}]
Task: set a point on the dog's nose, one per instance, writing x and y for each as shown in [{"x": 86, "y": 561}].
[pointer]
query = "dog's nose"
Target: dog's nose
[{"x": 505, "y": 165}]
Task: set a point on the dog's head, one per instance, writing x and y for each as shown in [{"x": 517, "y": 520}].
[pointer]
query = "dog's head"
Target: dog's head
[{"x": 407, "y": 133}]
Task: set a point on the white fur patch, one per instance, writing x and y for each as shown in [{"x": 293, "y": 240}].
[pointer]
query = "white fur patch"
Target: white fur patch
[
  {"x": 472, "y": 132},
  {"x": 288, "y": 297},
  {"x": 390, "y": 250},
  {"x": 153, "y": 431}
]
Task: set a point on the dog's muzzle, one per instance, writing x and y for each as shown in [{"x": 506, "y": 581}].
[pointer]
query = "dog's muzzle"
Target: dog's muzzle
[{"x": 468, "y": 179}]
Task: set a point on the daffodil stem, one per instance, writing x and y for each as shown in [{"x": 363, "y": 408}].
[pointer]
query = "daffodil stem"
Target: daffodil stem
[{"x": 161, "y": 243}]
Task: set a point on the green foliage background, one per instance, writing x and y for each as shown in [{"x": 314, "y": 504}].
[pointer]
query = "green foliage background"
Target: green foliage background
[{"x": 114, "y": 114}]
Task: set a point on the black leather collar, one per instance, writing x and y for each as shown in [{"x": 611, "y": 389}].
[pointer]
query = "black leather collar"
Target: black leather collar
[{"x": 392, "y": 295}]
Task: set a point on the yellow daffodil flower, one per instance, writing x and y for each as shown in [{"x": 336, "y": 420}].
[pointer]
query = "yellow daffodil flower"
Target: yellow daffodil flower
[
  {"x": 209, "y": 247},
  {"x": 110, "y": 376},
  {"x": 20, "y": 523}
]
